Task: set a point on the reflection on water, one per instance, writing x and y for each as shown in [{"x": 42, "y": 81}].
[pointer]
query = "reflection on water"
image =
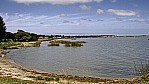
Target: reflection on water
[{"x": 99, "y": 57}]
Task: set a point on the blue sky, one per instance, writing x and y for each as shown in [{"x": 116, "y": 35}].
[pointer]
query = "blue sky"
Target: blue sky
[{"x": 122, "y": 17}]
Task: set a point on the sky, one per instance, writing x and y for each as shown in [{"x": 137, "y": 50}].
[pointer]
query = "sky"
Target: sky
[{"x": 119, "y": 17}]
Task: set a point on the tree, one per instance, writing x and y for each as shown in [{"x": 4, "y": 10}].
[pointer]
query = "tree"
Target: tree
[
  {"x": 34, "y": 37},
  {"x": 9, "y": 35},
  {"x": 2, "y": 29},
  {"x": 22, "y": 36}
]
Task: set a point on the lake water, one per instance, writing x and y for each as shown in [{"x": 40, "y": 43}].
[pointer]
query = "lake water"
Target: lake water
[{"x": 99, "y": 57}]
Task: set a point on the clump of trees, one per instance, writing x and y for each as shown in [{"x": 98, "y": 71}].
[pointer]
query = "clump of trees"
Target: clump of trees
[
  {"x": 25, "y": 36},
  {"x": 20, "y": 35}
]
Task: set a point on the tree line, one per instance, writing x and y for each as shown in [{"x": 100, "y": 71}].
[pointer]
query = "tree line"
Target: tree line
[{"x": 20, "y": 35}]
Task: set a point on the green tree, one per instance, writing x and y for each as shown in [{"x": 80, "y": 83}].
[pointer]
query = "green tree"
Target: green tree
[
  {"x": 22, "y": 36},
  {"x": 34, "y": 37},
  {"x": 9, "y": 35},
  {"x": 2, "y": 29}
]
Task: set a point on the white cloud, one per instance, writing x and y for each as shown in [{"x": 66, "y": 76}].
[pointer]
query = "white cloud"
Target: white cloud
[
  {"x": 63, "y": 2},
  {"x": 113, "y": 1},
  {"x": 26, "y": 21},
  {"x": 139, "y": 20},
  {"x": 85, "y": 7},
  {"x": 63, "y": 15},
  {"x": 98, "y": 1},
  {"x": 122, "y": 12},
  {"x": 100, "y": 11}
]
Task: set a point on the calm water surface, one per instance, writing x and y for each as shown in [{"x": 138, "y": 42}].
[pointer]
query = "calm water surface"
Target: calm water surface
[{"x": 99, "y": 57}]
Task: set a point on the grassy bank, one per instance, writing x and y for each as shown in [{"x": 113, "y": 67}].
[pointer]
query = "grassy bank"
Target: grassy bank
[
  {"x": 5, "y": 45},
  {"x": 9, "y": 80},
  {"x": 17, "y": 45}
]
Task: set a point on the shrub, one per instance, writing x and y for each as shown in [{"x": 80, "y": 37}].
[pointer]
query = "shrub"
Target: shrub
[
  {"x": 49, "y": 79},
  {"x": 57, "y": 79},
  {"x": 53, "y": 44},
  {"x": 39, "y": 78}
]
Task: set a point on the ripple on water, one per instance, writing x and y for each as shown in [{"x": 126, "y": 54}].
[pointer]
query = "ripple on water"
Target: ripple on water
[{"x": 104, "y": 57}]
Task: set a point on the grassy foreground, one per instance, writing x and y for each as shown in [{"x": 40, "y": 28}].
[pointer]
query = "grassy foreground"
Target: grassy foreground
[
  {"x": 9, "y": 80},
  {"x": 4, "y": 45}
]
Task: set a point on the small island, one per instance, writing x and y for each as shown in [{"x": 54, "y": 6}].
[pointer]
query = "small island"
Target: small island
[{"x": 66, "y": 43}]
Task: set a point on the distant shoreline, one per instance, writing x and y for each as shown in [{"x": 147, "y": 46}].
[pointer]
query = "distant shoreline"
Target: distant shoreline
[{"x": 95, "y": 36}]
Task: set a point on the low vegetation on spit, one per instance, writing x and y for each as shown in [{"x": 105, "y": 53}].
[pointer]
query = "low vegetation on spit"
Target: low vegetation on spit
[{"x": 66, "y": 43}]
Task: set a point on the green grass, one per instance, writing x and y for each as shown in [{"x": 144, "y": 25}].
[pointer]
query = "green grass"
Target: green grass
[
  {"x": 68, "y": 43},
  {"x": 9, "y": 80},
  {"x": 48, "y": 79},
  {"x": 44, "y": 78},
  {"x": 4, "y": 45}
]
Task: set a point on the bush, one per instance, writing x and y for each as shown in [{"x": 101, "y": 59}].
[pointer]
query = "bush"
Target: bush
[
  {"x": 57, "y": 79},
  {"x": 49, "y": 79},
  {"x": 66, "y": 43},
  {"x": 39, "y": 78},
  {"x": 53, "y": 44}
]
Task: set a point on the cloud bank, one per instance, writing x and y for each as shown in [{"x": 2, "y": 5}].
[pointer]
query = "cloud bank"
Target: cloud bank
[
  {"x": 122, "y": 12},
  {"x": 69, "y": 22},
  {"x": 85, "y": 7},
  {"x": 117, "y": 12},
  {"x": 100, "y": 11},
  {"x": 62, "y": 2}
]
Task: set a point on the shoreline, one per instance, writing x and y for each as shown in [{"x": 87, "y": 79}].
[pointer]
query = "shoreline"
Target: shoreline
[
  {"x": 23, "y": 73},
  {"x": 44, "y": 72},
  {"x": 8, "y": 68}
]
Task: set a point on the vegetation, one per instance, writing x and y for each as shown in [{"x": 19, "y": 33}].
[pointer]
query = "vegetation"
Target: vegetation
[
  {"x": 20, "y": 36},
  {"x": 9, "y": 36},
  {"x": 2, "y": 29},
  {"x": 67, "y": 43},
  {"x": 9, "y": 80},
  {"x": 44, "y": 78},
  {"x": 8, "y": 39},
  {"x": 53, "y": 44},
  {"x": 73, "y": 44},
  {"x": 25, "y": 36},
  {"x": 4, "y": 45}
]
